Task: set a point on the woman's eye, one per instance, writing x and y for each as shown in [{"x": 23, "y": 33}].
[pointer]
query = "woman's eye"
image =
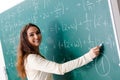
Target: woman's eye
[
  {"x": 31, "y": 34},
  {"x": 37, "y": 32}
]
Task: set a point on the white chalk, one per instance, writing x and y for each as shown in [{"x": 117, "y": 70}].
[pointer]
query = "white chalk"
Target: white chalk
[{"x": 101, "y": 45}]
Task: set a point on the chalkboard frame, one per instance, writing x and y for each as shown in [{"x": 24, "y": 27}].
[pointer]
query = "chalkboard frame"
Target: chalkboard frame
[{"x": 114, "y": 6}]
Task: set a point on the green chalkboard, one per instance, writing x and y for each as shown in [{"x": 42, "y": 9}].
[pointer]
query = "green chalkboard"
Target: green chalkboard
[{"x": 69, "y": 28}]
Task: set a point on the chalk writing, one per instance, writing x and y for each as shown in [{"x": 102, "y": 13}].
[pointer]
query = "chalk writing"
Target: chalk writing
[
  {"x": 68, "y": 44},
  {"x": 103, "y": 68},
  {"x": 66, "y": 27}
]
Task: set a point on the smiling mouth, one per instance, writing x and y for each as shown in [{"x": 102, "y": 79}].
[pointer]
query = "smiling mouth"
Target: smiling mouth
[{"x": 36, "y": 41}]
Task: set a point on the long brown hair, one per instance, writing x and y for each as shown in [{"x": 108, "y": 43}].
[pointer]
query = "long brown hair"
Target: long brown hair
[{"x": 24, "y": 49}]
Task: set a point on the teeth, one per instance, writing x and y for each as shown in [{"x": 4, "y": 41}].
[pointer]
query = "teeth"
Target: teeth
[{"x": 36, "y": 41}]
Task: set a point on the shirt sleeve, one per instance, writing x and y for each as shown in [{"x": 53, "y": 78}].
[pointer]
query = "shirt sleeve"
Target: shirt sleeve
[{"x": 38, "y": 63}]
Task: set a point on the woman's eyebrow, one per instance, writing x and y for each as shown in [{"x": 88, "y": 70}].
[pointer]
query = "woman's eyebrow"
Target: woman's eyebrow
[
  {"x": 30, "y": 32},
  {"x": 33, "y": 32}
]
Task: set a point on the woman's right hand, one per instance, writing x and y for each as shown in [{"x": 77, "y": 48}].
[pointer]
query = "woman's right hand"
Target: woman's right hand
[{"x": 94, "y": 52}]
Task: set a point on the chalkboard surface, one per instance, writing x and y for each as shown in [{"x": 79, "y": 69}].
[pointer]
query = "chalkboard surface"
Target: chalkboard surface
[{"x": 69, "y": 28}]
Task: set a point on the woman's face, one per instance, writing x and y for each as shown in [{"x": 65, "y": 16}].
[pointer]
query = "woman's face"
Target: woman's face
[{"x": 34, "y": 36}]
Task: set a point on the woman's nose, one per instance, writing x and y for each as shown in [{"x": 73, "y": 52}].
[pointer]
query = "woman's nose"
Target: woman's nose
[{"x": 36, "y": 36}]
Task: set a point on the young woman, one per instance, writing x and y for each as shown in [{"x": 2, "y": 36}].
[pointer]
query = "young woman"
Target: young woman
[{"x": 31, "y": 64}]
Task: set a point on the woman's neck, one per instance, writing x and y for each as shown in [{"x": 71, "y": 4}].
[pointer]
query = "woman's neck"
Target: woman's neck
[{"x": 36, "y": 49}]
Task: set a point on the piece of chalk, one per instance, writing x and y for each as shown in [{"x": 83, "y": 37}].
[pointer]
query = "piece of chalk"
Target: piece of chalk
[{"x": 101, "y": 44}]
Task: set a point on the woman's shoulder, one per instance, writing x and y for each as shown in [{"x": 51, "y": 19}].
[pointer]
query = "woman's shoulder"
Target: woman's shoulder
[{"x": 33, "y": 56}]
